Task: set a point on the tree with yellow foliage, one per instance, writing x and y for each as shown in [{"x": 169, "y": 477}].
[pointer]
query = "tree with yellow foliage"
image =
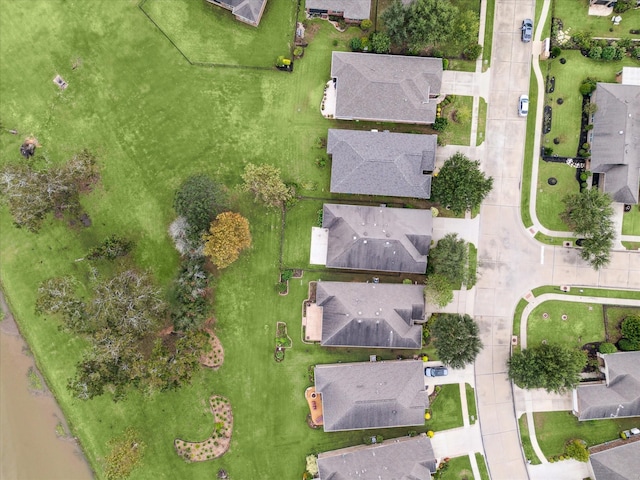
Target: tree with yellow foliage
[{"x": 228, "y": 235}]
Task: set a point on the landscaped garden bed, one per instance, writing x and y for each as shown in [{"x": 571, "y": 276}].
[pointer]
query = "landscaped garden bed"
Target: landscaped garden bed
[
  {"x": 218, "y": 443},
  {"x": 215, "y": 357}
]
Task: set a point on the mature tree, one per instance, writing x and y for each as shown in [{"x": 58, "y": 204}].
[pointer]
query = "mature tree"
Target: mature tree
[
  {"x": 380, "y": 42},
  {"x": 589, "y": 214},
  {"x": 456, "y": 339},
  {"x": 125, "y": 453},
  {"x": 438, "y": 290},
  {"x": 58, "y": 296},
  {"x": 33, "y": 194},
  {"x": 556, "y": 368},
  {"x": 395, "y": 19},
  {"x": 467, "y": 25},
  {"x": 460, "y": 184},
  {"x": 228, "y": 236},
  {"x": 266, "y": 184},
  {"x": 199, "y": 200},
  {"x": 449, "y": 258},
  {"x": 431, "y": 22}
]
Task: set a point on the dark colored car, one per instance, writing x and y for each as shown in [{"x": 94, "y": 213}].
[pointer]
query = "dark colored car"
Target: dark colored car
[
  {"x": 527, "y": 30},
  {"x": 436, "y": 371}
]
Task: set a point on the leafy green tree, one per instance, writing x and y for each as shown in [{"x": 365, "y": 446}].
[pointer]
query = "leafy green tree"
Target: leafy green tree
[
  {"x": 461, "y": 184},
  {"x": 589, "y": 214},
  {"x": 438, "y": 290},
  {"x": 395, "y": 19},
  {"x": 431, "y": 22},
  {"x": 456, "y": 338},
  {"x": 199, "y": 200},
  {"x": 265, "y": 183},
  {"x": 556, "y": 368},
  {"x": 449, "y": 258},
  {"x": 467, "y": 25},
  {"x": 380, "y": 42}
]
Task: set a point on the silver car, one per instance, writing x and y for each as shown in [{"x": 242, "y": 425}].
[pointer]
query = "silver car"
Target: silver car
[
  {"x": 523, "y": 105},
  {"x": 527, "y": 30}
]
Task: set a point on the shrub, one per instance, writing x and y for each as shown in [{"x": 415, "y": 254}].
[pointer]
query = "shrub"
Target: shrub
[
  {"x": 548, "y": 151},
  {"x": 556, "y": 51},
  {"x": 595, "y": 52},
  {"x": 622, "y": 6},
  {"x": 608, "y": 53},
  {"x": 636, "y": 52},
  {"x": 472, "y": 52},
  {"x": 440, "y": 124},
  {"x": 111, "y": 248},
  {"x": 355, "y": 44},
  {"x": 583, "y": 176},
  {"x": 335, "y": 42},
  {"x": 631, "y": 328},
  {"x": 588, "y": 85},
  {"x": 298, "y": 51},
  {"x": 319, "y": 215},
  {"x": 445, "y": 63},
  {"x": 286, "y": 275},
  {"x": 627, "y": 345},
  {"x": 607, "y": 347},
  {"x": 576, "y": 449},
  {"x": 366, "y": 24}
]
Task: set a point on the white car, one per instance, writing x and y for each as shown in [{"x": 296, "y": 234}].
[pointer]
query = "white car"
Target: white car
[{"x": 523, "y": 105}]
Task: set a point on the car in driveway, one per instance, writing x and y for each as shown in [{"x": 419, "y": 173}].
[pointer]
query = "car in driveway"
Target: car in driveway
[
  {"x": 527, "y": 30},
  {"x": 436, "y": 371},
  {"x": 523, "y": 105}
]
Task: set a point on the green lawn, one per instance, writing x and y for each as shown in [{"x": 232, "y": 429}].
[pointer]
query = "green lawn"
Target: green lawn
[
  {"x": 631, "y": 245},
  {"x": 153, "y": 119},
  {"x": 517, "y": 319},
  {"x": 574, "y": 15},
  {"x": 482, "y": 121},
  {"x": 631, "y": 221},
  {"x": 584, "y": 323},
  {"x": 199, "y": 29},
  {"x": 528, "y": 153},
  {"x": 541, "y": 237},
  {"x": 591, "y": 292},
  {"x": 554, "y": 429},
  {"x": 459, "y": 468},
  {"x": 529, "y": 453},
  {"x": 458, "y": 113},
  {"x": 488, "y": 35},
  {"x": 549, "y": 203},
  {"x": 471, "y": 403},
  {"x": 614, "y": 317},
  {"x": 565, "y": 124},
  {"x": 482, "y": 466},
  {"x": 446, "y": 409}
]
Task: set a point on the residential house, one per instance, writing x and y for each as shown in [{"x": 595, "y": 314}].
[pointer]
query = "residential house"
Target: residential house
[
  {"x": 376, "y": 315},
  {"x": 629, "y": 76},
  {"x": 381, "y": 163},
  {"x": 377, "y": 238},
  {"x": 247, "y": 11},
  {"x": 366, "y": 395},
  {"x": 399, "y": 458},
  {"x": 618, "y": 396},
  {"x": 386, "y": 88},
  {"x": 618, "y": 463},
  {"x": 615, "y": 140},
  {"x": 353, "y": 11}
]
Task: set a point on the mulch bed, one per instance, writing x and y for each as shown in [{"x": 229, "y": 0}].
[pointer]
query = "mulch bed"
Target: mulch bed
[{"x": 214, "y": 358}]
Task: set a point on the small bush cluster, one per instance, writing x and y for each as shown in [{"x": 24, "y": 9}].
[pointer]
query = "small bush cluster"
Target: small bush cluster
[
  {"x": 577, "y": 450},
  {"x": 607, "y": 347},
  {"x": 630, "y": 340},
  {"x": 111, "y": 248},
  {"x": 190, "y": 289},
  {"x": 588, "y": 85}
]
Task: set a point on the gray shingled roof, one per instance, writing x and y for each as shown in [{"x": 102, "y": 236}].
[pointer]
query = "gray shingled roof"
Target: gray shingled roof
[
  {"x": 377, "y": 238},
  {"x": 381, "y": 315},
  {"x": 381, "y": 163},
  {"x": 619, "y": 463},
  {"x": 251, "y": 10},
  {"x": 399, "y": 459},
  {"x": 615, "y": 146},
  {"x": 621, "y": 394},
  {"x": 352, "y": 9},
  {"x": 372, "y": 394},
  {"x": 390, "y": 88}
]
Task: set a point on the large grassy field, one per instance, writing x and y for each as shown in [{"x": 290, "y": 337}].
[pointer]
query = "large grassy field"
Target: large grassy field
[
  {"x": 153, "y": 119},
  {"x": 575, "y": 16}
]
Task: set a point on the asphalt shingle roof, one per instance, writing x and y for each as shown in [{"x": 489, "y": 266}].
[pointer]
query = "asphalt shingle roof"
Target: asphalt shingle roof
[
  {"x": 381, "y": 163},
  {"x": 618, "y": 463},
  {"x": 250, "y": 10}
]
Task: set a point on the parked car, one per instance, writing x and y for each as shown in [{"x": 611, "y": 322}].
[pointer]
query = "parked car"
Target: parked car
[
  {"x": 523, "y": 105},
  {"x": 436, "y": 371},
  {"x": 527, "y": 30}
]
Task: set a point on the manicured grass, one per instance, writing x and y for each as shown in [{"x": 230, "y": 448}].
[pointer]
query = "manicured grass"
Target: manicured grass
[
  {"x": 549, "y": 203},
  {"x": 584, "y": 324},
  {"x": 631, "y": 221},
  {"x": 446, "y": 409},
  {"x": 541, "y": 237},
  {"x": 529, "y": 453},
  {"x": 459, "y": 130},
  {"x": 631, "y": 245},
  {"x": 202, "y": 31},
  {"x": 566, "y": 118},
  {"x": 471, "y": 403},
  {"x": 589, "y": 292},
  {"x": 482, "y": 121},
  {"x": 482, "y": 466},
  {"x": 614, "y": 316},
  {"x": 554, "y": 429},
  {"x": 459, "y": 468},
  {"x": 575, "y": 15},
  {"x": 488, "y": 35},
  {"x": 528, "y": 153},
  {"x": 297, "y": 241},
  {"x": 517, "y": 318},
  {"x": 473, "y": 266}
]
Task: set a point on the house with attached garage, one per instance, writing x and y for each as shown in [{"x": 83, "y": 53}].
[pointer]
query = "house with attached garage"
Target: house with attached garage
[
  {"x": 247, "y": 11},
  {"x": 353, "y": 11},
  {"x": 381, "y": 163},
  {"x": 621, "y": 462},
  {"x": 358, "y": 396},
  {"x": 379, "y": 238},
  {"x": 375, "y": 315},
  {"x": 385, "y": 88}
]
